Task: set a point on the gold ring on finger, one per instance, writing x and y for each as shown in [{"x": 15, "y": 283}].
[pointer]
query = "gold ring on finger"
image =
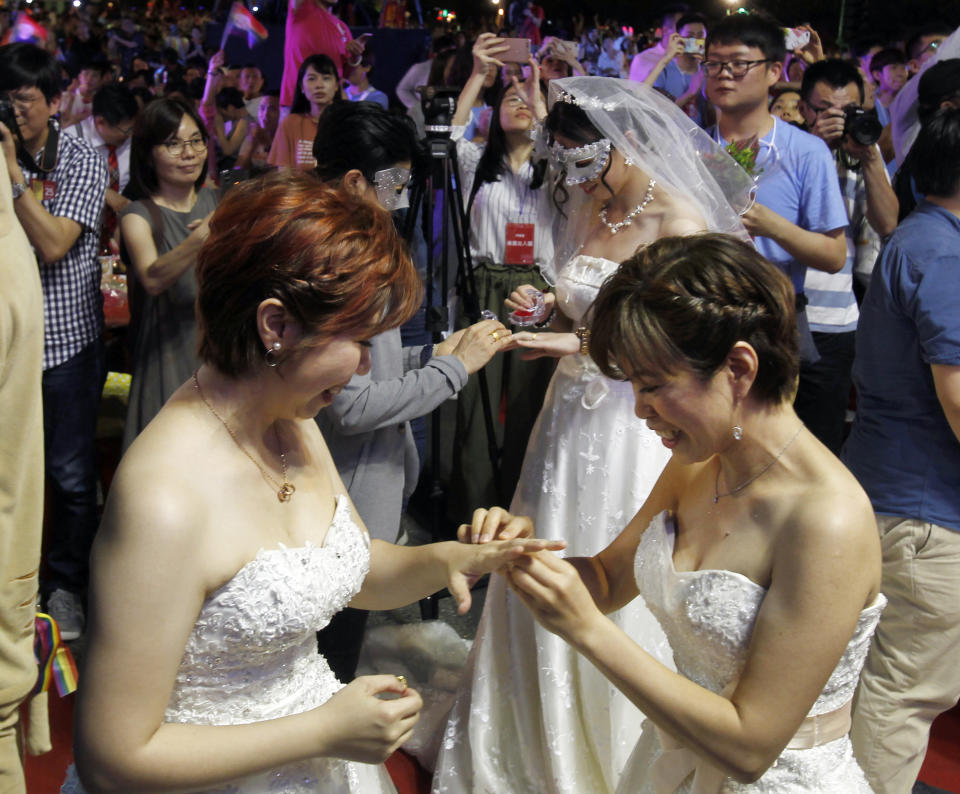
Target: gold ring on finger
[
  {"x": 402, "y": 680},
  {"x": 495, "y": 336}
]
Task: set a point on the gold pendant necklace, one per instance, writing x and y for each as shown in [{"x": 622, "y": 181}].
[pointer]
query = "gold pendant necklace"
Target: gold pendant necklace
[{"x": 286, "y": 489}]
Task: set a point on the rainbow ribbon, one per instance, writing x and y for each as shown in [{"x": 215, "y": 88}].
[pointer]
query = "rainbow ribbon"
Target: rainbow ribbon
[{"x": 54, "y": 660}]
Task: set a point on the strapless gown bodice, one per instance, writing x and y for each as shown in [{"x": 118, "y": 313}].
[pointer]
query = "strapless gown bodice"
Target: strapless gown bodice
[
  {"x": 252, "y": 655},
  {"x": 708, "y": 617}
]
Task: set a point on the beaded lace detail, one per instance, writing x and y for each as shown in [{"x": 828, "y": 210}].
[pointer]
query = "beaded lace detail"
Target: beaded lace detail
[
  {"x": 252, "y": 654},
  {"x": 708, "y": 616}
]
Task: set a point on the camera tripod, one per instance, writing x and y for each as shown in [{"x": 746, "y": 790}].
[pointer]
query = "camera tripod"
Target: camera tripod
[{"x": 443, "y": 175}]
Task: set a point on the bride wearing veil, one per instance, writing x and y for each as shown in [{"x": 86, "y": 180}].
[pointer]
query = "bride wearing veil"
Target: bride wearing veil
[{"x": 530, "y": 714}]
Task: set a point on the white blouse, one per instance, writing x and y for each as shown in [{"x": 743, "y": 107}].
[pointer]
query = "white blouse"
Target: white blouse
[{"x": 509, "y": 200}]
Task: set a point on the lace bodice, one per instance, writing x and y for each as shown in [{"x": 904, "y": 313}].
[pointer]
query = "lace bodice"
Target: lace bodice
[
  {"x": 578, "y": 283},
  {"x": 253, "y": 647},
  {"x": 252, "y": 654},
  {"x": 708, "y": 616}
]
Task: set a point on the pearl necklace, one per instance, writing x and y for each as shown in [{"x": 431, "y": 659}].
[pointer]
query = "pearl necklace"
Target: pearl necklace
[
  {"x": 717, "y": 496},
  {"x": 286, "y": 489},
  {"x": 628, "y": 218}
]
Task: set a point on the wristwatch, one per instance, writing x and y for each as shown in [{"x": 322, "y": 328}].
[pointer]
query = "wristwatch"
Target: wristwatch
[{"x": 18, "y": 188}]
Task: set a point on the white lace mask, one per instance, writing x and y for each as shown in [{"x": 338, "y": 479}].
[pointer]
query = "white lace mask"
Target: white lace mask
[
  {"x": 582, "y": 163},
  {"x": 391, "y": 185}
]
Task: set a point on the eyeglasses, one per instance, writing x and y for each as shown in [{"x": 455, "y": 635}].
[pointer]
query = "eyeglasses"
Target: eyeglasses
[
  {"x": 175, "y": 147},
  {"x": 737, "y": 69},
  {"x": 23, "y": 102}
]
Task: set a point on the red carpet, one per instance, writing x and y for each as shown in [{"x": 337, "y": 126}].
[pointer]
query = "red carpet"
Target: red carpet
[{"x": 45, "y": 773}]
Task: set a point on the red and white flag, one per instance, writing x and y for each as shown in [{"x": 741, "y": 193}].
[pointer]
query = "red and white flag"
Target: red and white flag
[
  {"x": 240, "y": 18},
  {"x": 25, "y": 28}
]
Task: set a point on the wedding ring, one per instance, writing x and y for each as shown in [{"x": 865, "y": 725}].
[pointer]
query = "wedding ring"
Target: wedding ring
[
  {"x": 533, "y": 337},
  {"x": 495, "y": 336},
  {"x": 402, "y": 680}
]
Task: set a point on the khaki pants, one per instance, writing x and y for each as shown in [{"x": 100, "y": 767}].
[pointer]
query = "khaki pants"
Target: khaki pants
[{"x": 912, "y": 673}]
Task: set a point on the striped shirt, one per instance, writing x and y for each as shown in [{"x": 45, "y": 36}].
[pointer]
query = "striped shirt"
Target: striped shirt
[
  {"x": 832, "y": 307},
  {"x": 509, "y": 200},
  {"x": 72, "y": 302}
]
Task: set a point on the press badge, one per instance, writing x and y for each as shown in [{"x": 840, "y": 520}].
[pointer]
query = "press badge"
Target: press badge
[
  {"x": 44, "y": 189},
  {"x": 519, "y": 244}
]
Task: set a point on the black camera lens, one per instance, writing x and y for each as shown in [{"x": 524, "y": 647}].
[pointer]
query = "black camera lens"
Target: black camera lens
[{"x": 861, "y": 125}]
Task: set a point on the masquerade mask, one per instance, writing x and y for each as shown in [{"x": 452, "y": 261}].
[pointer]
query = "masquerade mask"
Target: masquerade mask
[
  {"x": 391, "y": 185},
  {"x": 582, "y": 163}
]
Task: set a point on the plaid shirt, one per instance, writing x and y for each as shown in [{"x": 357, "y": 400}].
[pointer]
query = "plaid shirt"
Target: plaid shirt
[{"x": 72, "y": 302}]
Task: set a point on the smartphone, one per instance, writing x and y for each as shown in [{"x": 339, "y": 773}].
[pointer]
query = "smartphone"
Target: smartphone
[
  {"x": 566, "y": 48},
  {"x": 518, "y": 51},
  {"x": 794, "y": 38},
  {"x": 694, "y": 45}
]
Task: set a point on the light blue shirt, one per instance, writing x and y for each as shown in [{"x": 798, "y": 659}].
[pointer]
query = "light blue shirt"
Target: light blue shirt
[{"x": 799, "y": 183}]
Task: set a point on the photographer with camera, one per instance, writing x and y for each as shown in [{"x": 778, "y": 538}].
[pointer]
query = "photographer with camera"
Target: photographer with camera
[
  {"x": 831, "y": 98},
  {"x": 59, "y": 183}
]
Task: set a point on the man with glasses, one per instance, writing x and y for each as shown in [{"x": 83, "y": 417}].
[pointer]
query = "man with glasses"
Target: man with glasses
[
  {"x": 108, "y": 131},
  {"x": 828, "y": 90},
  {"x": 799, "y": 219},
  {"x": 58, "y": 185},
  {"x": 923, "y": 45}
]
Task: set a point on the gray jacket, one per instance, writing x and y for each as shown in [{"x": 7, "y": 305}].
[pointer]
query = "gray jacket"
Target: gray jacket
[{"x": 367, "y": 427}]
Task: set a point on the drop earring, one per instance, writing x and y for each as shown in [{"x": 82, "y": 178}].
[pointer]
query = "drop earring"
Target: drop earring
[{"x": 272, "y": 356}]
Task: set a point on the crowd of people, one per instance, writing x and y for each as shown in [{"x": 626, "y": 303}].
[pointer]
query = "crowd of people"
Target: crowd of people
[{"x": 690, "y": 252}]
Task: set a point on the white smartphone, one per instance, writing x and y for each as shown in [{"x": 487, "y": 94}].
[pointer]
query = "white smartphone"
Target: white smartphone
[{"x": 795, "y": 38}]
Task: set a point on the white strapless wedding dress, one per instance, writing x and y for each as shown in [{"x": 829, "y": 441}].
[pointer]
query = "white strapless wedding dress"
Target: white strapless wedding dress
[
  {"x": 531, "y": 715},
  {"x": 252, "y": 656},
  {"x": 708, "y": 616}
]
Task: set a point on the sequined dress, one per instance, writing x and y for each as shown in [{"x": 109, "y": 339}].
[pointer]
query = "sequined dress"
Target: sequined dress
[
  {"x": 531, "y": 715},
  {"x": 708, "y": 616},
  {"x": 252, "y": 656}
]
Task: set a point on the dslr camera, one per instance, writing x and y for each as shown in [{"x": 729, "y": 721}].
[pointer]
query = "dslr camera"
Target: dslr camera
[
  {"x": 9, "y": 118},
  {"x": 861, "y": 125}
]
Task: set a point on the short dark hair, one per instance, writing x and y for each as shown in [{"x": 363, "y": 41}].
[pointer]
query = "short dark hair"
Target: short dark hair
[
  {"x": 230, "y": 97},
  {"x": 324, "y": 65},
  {"x": 155, "y": 123},
  {"x": 936, "y": 155},
  {"x": 115, "y": 103},
  {"x": 691, "y": 19},
  {"x": 25, "y": 65},
  {"x": 96, "y": 64},
  {"x": 686, "y": 301},
  {"x": 751, "y": 30},
  {"x": 930, "y": 29},
  {"x": 835, "y": 72},
  {"x": 334, "y": 261},
  {"x": 362, "y": 135},
  {"x": 887, "y": 57}
]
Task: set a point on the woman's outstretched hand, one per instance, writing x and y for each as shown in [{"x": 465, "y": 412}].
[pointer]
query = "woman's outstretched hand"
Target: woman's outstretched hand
[
  {"x": 494, "y": 523},
  {"x": 553, "y": 591},
  {"x": 362, "y": 726},
  {"x": 468, "y": 562},
  {"x": 537, "y": 344}
]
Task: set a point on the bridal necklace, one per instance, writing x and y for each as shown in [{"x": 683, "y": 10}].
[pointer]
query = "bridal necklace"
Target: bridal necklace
[
  {"x": 717, "y": 496},
  {"x": 628, "y": 218},
  {"x": 286, "y": 489}
]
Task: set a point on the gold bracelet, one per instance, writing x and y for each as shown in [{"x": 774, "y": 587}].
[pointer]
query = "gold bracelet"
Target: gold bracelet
[{"x": 583, "y": 334}]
